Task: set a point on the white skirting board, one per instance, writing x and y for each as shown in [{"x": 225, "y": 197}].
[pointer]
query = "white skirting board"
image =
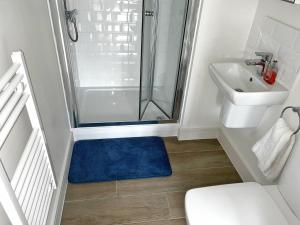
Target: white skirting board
[
  {"x": 59, "y": 197},
  {"x": 161, "y": 130},
  {"x": 186, "y": 133},
  {"x": 247, "y": 172},
  {"x": 235, "y": 158}
]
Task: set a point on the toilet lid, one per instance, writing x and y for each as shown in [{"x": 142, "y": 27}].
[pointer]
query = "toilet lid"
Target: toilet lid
[{"x": 233, "y": 204}]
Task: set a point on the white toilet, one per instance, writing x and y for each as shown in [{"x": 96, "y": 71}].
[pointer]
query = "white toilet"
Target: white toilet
[{"x": 248, "y": 203}]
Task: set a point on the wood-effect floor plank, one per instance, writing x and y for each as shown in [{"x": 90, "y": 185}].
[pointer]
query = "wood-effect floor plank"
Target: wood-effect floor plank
[
  {"x": 179, "y": 181},
  {"x": 120, "y": 210},
  {"x": 176, "y": 204},
  {"x": 197, "y": 160},
  {"x": 173, "y": 145},
  {"x": 77, "y": 192},
  {"x": 155, "y": 201}
]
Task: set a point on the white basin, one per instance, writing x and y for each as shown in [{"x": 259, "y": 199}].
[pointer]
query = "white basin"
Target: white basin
[
  {"x": 243, "y": 86},
  {"x": 246, "y": 94}
]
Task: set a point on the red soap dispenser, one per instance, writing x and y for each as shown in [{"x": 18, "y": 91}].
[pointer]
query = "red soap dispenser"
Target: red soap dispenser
[{"x": 271, "y": 73}]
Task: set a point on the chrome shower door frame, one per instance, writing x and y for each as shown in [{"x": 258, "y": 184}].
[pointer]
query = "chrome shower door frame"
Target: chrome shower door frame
[{"x": 192, "y": 11}]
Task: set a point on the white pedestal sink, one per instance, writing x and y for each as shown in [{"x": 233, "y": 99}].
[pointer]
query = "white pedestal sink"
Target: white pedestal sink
[{"x": 246, "y": 94}]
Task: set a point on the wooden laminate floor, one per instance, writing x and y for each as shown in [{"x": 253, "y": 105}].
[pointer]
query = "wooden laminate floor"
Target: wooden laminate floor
[{"x": 157, "y": 201}]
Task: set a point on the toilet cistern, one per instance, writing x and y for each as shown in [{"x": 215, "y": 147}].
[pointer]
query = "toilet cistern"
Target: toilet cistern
[{"x": 265, "y": 61}]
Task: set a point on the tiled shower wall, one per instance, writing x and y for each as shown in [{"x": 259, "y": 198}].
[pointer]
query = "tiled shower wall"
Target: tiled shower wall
[
  {"x": 283, "y": 41},
  {"x": 109, "y": 46}
]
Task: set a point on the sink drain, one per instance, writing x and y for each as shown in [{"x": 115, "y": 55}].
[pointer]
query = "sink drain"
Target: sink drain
[{"x": 239, "y": 90}]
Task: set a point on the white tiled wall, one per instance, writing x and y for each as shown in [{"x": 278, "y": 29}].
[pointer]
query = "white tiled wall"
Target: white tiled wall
[
  {"x": 283, "y": 41},
  {"x": 109, "y": 46}
]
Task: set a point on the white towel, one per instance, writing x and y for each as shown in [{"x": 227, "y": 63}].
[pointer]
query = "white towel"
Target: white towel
[{"x": 273, "y": 150}]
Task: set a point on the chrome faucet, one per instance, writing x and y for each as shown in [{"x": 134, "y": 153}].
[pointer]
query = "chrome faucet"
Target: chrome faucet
[{"x": 265, "y": 61}]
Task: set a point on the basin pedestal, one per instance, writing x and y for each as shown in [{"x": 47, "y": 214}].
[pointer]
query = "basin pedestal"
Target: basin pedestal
[{"x": 237, "y": 116}]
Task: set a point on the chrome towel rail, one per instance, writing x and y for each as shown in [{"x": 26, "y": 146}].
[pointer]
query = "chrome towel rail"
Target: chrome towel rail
[{"x": 296, "y": 110}]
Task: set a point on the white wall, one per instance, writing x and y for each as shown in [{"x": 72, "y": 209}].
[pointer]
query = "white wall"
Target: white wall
[
  {"x": 223, "y": 32},
  {"x": 243, "y": 139},
  {"x": 289, "y": 182},
  {"x": 26, "y": 25}
]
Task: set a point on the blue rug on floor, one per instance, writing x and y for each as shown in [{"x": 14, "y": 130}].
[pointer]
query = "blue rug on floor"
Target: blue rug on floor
[{"x": 119, "y": 159}]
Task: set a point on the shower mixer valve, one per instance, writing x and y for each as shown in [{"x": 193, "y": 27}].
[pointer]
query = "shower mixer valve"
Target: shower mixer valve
[{"x": 149, "y": 13}]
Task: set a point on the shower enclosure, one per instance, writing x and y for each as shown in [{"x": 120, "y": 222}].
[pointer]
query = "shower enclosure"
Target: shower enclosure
[{"x": 128, "y": 62}]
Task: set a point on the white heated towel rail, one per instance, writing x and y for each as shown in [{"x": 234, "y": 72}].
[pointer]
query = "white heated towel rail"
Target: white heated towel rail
[{"x": 27, "y": 196}]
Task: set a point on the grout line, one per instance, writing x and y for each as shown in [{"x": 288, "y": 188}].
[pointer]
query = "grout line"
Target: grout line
[
  {"x": 196, "y": 151},
  {"x": 205, "y": 168},
  {"x": 178, "y": 218},
  {"x": 118, "y": 196},
  {"x": 117, "y": 192},
  {"x": 149, "y": 221},
  {"x": 209, "y": 168},
  {"x": 144, "y": 194},
  {"x": 91, "y": 199},
  {"x": 168, "y": 204},
  {"x": 202, "y": 151}
]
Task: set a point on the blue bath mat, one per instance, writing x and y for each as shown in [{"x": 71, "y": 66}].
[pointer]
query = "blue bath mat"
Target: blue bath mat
[{"x": 119, "y": 159}]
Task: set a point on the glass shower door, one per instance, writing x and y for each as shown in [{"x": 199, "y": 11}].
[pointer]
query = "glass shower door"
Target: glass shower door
[
  {"x": 149, "y": 34},
  {"x": 107, "y": 85},
  {"x": 163, "y": 32}
]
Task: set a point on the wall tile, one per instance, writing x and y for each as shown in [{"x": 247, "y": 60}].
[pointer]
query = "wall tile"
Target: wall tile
[
  {"x": 285, "y": 35},
  {"x": 108, "y": 50},
  {"x": 268, "y": 26},
  {"x": 268, "y": 44},
  {"x": 249, "y": 53},
  {"x": 84, "y": 5},
  {"x": 280, "y": 39},
  {"x": 288, "y": 76},
  {"x": 254, "y": 37},
  {"x": 290, "y": 58}
]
